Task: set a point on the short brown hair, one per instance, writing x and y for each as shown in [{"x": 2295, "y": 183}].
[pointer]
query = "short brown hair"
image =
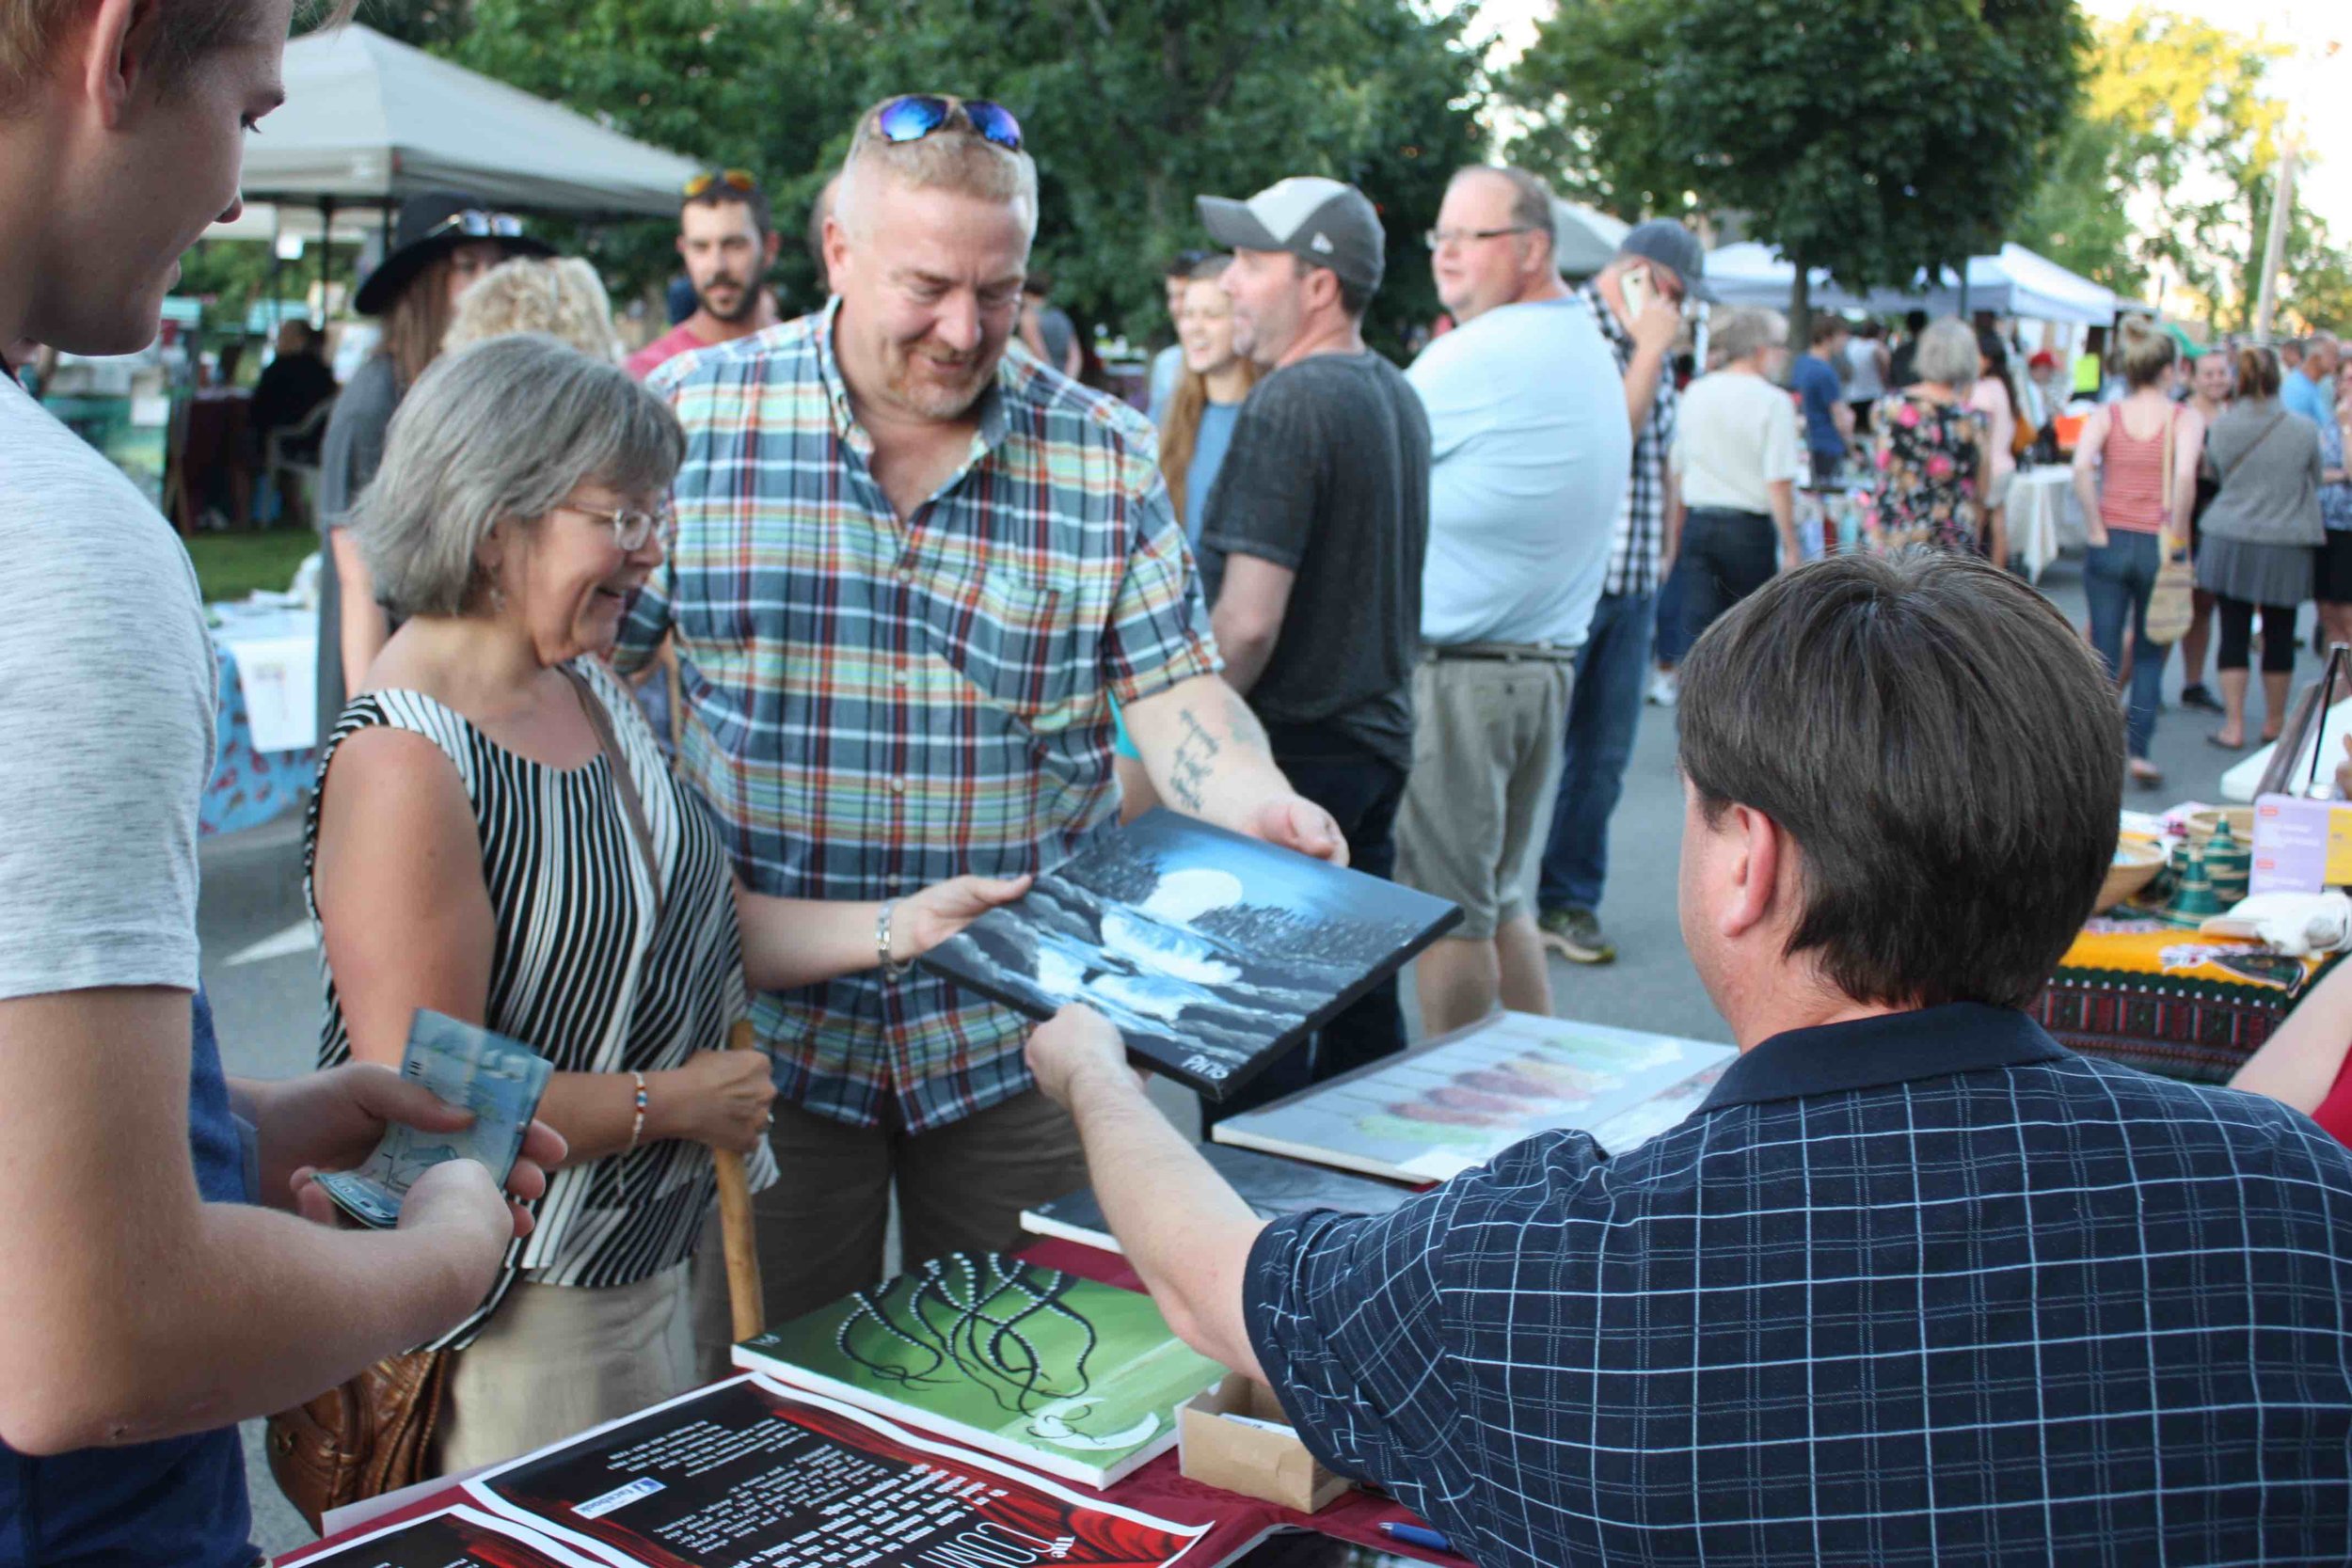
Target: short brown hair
[
  {"x": 31, "y": 31},
  {"x": 1953, "y": 812},
  {"x": 1826, "y": 327}
]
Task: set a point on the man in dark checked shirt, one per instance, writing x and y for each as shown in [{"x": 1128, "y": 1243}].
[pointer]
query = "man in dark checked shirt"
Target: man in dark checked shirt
[{"x": 1914, "y": 1283}]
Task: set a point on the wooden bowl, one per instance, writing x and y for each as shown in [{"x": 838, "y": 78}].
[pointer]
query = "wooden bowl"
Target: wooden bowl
[
  {"x": 2241, "y": 820},
  {"x": 2136, "y": 863}
]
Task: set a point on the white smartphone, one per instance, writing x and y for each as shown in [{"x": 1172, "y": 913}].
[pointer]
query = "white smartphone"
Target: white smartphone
[{"x": 1635, "y": 285}]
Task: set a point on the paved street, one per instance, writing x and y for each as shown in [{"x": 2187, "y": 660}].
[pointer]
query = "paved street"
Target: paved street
[{"x": 261, "y": 970}]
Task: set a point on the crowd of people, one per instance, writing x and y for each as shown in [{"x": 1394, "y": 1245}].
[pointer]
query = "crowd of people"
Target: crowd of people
[{"x": 902, "y": 594}]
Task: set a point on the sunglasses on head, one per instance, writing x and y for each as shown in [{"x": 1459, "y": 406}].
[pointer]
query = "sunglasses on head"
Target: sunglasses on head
[
  {"x": 477, "y": 225},
  {"x": 733, "y": 179},
  {"x": 918, "y": 114}
]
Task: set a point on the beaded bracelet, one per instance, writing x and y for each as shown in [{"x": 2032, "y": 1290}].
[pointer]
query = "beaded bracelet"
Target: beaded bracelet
[{"x": 637, "y": 1127}]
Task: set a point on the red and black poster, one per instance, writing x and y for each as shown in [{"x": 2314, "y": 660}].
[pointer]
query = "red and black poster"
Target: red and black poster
[
  {"x": 747, "y": 1475},
  {"x": 456, "y": 1538}
]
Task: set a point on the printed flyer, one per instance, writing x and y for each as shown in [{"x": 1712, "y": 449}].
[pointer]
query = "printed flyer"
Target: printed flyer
[
  {"x": 455, "y": 1538},
  {"x": 746, "y": 1473}
]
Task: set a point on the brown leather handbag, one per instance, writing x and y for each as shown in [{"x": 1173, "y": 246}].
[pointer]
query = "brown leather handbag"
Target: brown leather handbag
[{"x": 361, "y": 1438}]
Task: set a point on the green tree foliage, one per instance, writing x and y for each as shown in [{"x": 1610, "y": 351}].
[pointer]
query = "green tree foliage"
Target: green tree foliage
[
  {"x": 1131, "y": 106},
  {"x": 2171, "y": 163},
  {"x": 1871, "y": 137}
]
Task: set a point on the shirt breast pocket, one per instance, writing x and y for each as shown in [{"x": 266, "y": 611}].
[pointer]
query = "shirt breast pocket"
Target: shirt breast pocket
[{"x": 1013, "y": 636}]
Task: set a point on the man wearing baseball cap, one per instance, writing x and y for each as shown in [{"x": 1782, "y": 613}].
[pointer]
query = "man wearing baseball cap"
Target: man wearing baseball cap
[{"x": 1312, "y": 543}]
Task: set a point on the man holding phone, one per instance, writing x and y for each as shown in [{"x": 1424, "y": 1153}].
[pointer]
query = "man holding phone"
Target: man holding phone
[{"x": 1636, "y": 299}]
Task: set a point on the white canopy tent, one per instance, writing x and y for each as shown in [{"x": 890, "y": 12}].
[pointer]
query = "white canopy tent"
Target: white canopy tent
[
  {"x": 370, "y": 121},
  {"x": 1583, "y": 239},
  {"x": 2015, "y": 282}
]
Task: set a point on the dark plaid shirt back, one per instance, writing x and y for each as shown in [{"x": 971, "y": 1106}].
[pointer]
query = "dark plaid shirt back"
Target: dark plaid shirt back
[
  {"x": 1641, "y": 534},
  {"x": 1920, "y": 1289}
]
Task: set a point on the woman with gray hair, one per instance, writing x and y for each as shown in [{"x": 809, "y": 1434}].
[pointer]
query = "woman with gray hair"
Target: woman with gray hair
[
  {"x": 1932, "y": 458},
  {"x": 494, "y": 837},
  {"x": 1736, "y": 455}
]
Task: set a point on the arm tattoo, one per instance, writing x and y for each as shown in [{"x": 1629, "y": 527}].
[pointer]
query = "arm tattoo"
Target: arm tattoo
[
  {"x": 1247, "y": 732},
  {"x": 1189, "y": 769}
]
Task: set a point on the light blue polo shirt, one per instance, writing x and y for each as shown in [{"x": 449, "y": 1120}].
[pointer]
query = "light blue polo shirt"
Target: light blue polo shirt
[{"x": 1529, "y": 450}]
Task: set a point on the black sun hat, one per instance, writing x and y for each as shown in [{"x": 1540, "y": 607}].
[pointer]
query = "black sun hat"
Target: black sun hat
[{"x": 433, "y": 225}]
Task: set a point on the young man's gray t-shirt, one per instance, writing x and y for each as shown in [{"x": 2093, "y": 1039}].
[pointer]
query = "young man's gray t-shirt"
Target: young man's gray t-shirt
[
  {"x": 106, "y": 702},
  {"x": 1329, "y": 475}
]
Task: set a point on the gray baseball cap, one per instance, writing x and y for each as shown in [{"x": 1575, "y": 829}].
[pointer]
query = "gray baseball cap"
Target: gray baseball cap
[
  {"x": 1323, "y": 222},
  {"x": 1668, "y": 244}
]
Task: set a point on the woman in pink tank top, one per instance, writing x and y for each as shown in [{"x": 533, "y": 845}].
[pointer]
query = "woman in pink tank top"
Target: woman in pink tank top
[{"x": 2128, "y": 504}]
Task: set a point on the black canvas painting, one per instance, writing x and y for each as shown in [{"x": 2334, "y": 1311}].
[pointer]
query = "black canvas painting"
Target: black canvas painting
[
  {"x": 1212, "y": 954},
  {"x": 1271, "y": 1186}
]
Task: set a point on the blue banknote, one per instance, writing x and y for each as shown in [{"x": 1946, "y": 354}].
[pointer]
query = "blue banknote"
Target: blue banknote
[{"x": 499, "y": 1079}]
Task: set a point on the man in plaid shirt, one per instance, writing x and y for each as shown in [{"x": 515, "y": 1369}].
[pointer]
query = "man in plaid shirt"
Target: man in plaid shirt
[
  {"x": 911, "y": 571},
  {"x": 1913, "y": 1284}
]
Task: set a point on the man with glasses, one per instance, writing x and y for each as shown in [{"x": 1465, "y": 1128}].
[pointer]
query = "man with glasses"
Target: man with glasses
[
  {"x": 910, "y": 573},
  {"x": 1312, "y": 539},
  {"x": 1637, "y": 301},
  {"x": 1530, "y": 449},
  {"x": 728, "y": 241}
]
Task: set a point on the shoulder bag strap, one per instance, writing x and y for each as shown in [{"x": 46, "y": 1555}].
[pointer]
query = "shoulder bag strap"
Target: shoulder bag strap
[
  {"x": 2223, "y": 474},
  {"x": 624, "y": 782},
  {"x": 2164, "y": 529}
]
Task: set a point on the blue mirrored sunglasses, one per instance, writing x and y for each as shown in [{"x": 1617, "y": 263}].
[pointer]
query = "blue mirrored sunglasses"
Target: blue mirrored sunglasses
[{"x": 918, "y": 114}]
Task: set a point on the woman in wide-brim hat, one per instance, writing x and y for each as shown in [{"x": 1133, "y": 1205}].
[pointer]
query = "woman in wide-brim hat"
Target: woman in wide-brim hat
[{"x": 441, "y": 245}]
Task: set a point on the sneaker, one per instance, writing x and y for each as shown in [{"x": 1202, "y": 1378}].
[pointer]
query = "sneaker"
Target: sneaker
[
  {"x": 1664, "y": 687},
  {"x": 2197, "y": 697},
  {"x": 1575, "y": 934}
]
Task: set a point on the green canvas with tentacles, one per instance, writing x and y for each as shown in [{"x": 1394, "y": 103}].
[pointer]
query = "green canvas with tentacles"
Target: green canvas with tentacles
[{"x": 1069, "y": 1376}]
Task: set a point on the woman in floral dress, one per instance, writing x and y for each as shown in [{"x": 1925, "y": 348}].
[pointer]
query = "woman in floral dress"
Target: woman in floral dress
[{"x": 1931, "y": 454}]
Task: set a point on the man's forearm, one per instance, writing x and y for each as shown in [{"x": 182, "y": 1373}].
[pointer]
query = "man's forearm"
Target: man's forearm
[
  {"x": 1180, "y": 1226},
  {"x": 1781, "y": 494},
  {"x": 1246, "y": 658},
  {"x": 1206, "y": 752},
  {"x": 246, "y": 1313},
  {"x": 1641, "y": 385}
]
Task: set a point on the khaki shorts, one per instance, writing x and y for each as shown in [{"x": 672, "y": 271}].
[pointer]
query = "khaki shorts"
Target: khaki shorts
[{"x": 1486, "y": 753}]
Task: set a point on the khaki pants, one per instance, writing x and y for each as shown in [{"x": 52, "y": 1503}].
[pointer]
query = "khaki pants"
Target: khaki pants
[
  {"x": 960, "y": 1189},
  {"x": 1486, "y": 760},
  {"x": 558, "y": 1359}
]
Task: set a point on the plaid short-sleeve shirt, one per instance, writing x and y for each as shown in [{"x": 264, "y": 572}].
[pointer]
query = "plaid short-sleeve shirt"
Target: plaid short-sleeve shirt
[
  {"x": 874, "y": 705},
  {"x": 1918, "y": 1289},
  {"x": 1640, "y": 539}
]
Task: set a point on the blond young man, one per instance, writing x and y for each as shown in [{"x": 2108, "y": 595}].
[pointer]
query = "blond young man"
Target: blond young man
[{"x": 165, "y": 1269}]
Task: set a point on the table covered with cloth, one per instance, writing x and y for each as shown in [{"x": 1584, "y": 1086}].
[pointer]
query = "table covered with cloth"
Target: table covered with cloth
[
  {"x": 264, "y": 742},
  {"x": 1159, "y": 1488},
  {"x": 2043, "y": 516},
  {"x": 2172, "y": 1000}
]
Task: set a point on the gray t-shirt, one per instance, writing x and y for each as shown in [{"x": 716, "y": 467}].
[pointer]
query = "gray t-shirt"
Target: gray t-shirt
[
  {"x": 1329, "y": 475},
  {"x": 107, "y": 701},
  {"x": 348, "y": 457}
]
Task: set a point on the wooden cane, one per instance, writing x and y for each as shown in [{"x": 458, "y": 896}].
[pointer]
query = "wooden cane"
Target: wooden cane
[{"x": 734, "y": 1224}]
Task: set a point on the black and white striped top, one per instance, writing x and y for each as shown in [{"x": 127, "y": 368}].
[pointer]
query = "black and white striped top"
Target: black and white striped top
[{"x": 576, "y": 971}]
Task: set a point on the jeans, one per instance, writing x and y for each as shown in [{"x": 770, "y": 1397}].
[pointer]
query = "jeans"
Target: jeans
[
  {"x": 2117, "y": 577},
  {"x": 1667, "y": 615},
  {"x": 1729, "y": 556},
  {"x": 1361, "y": 792},
  {"x": 1604, "y": 705}
]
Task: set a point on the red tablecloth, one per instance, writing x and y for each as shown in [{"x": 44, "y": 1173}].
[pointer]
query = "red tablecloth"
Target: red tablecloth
[{"x": 1159, "y": 1488}]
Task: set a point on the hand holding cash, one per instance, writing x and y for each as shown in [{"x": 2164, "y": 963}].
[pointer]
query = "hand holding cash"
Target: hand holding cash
[{"x": 480, "y": 1091}]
